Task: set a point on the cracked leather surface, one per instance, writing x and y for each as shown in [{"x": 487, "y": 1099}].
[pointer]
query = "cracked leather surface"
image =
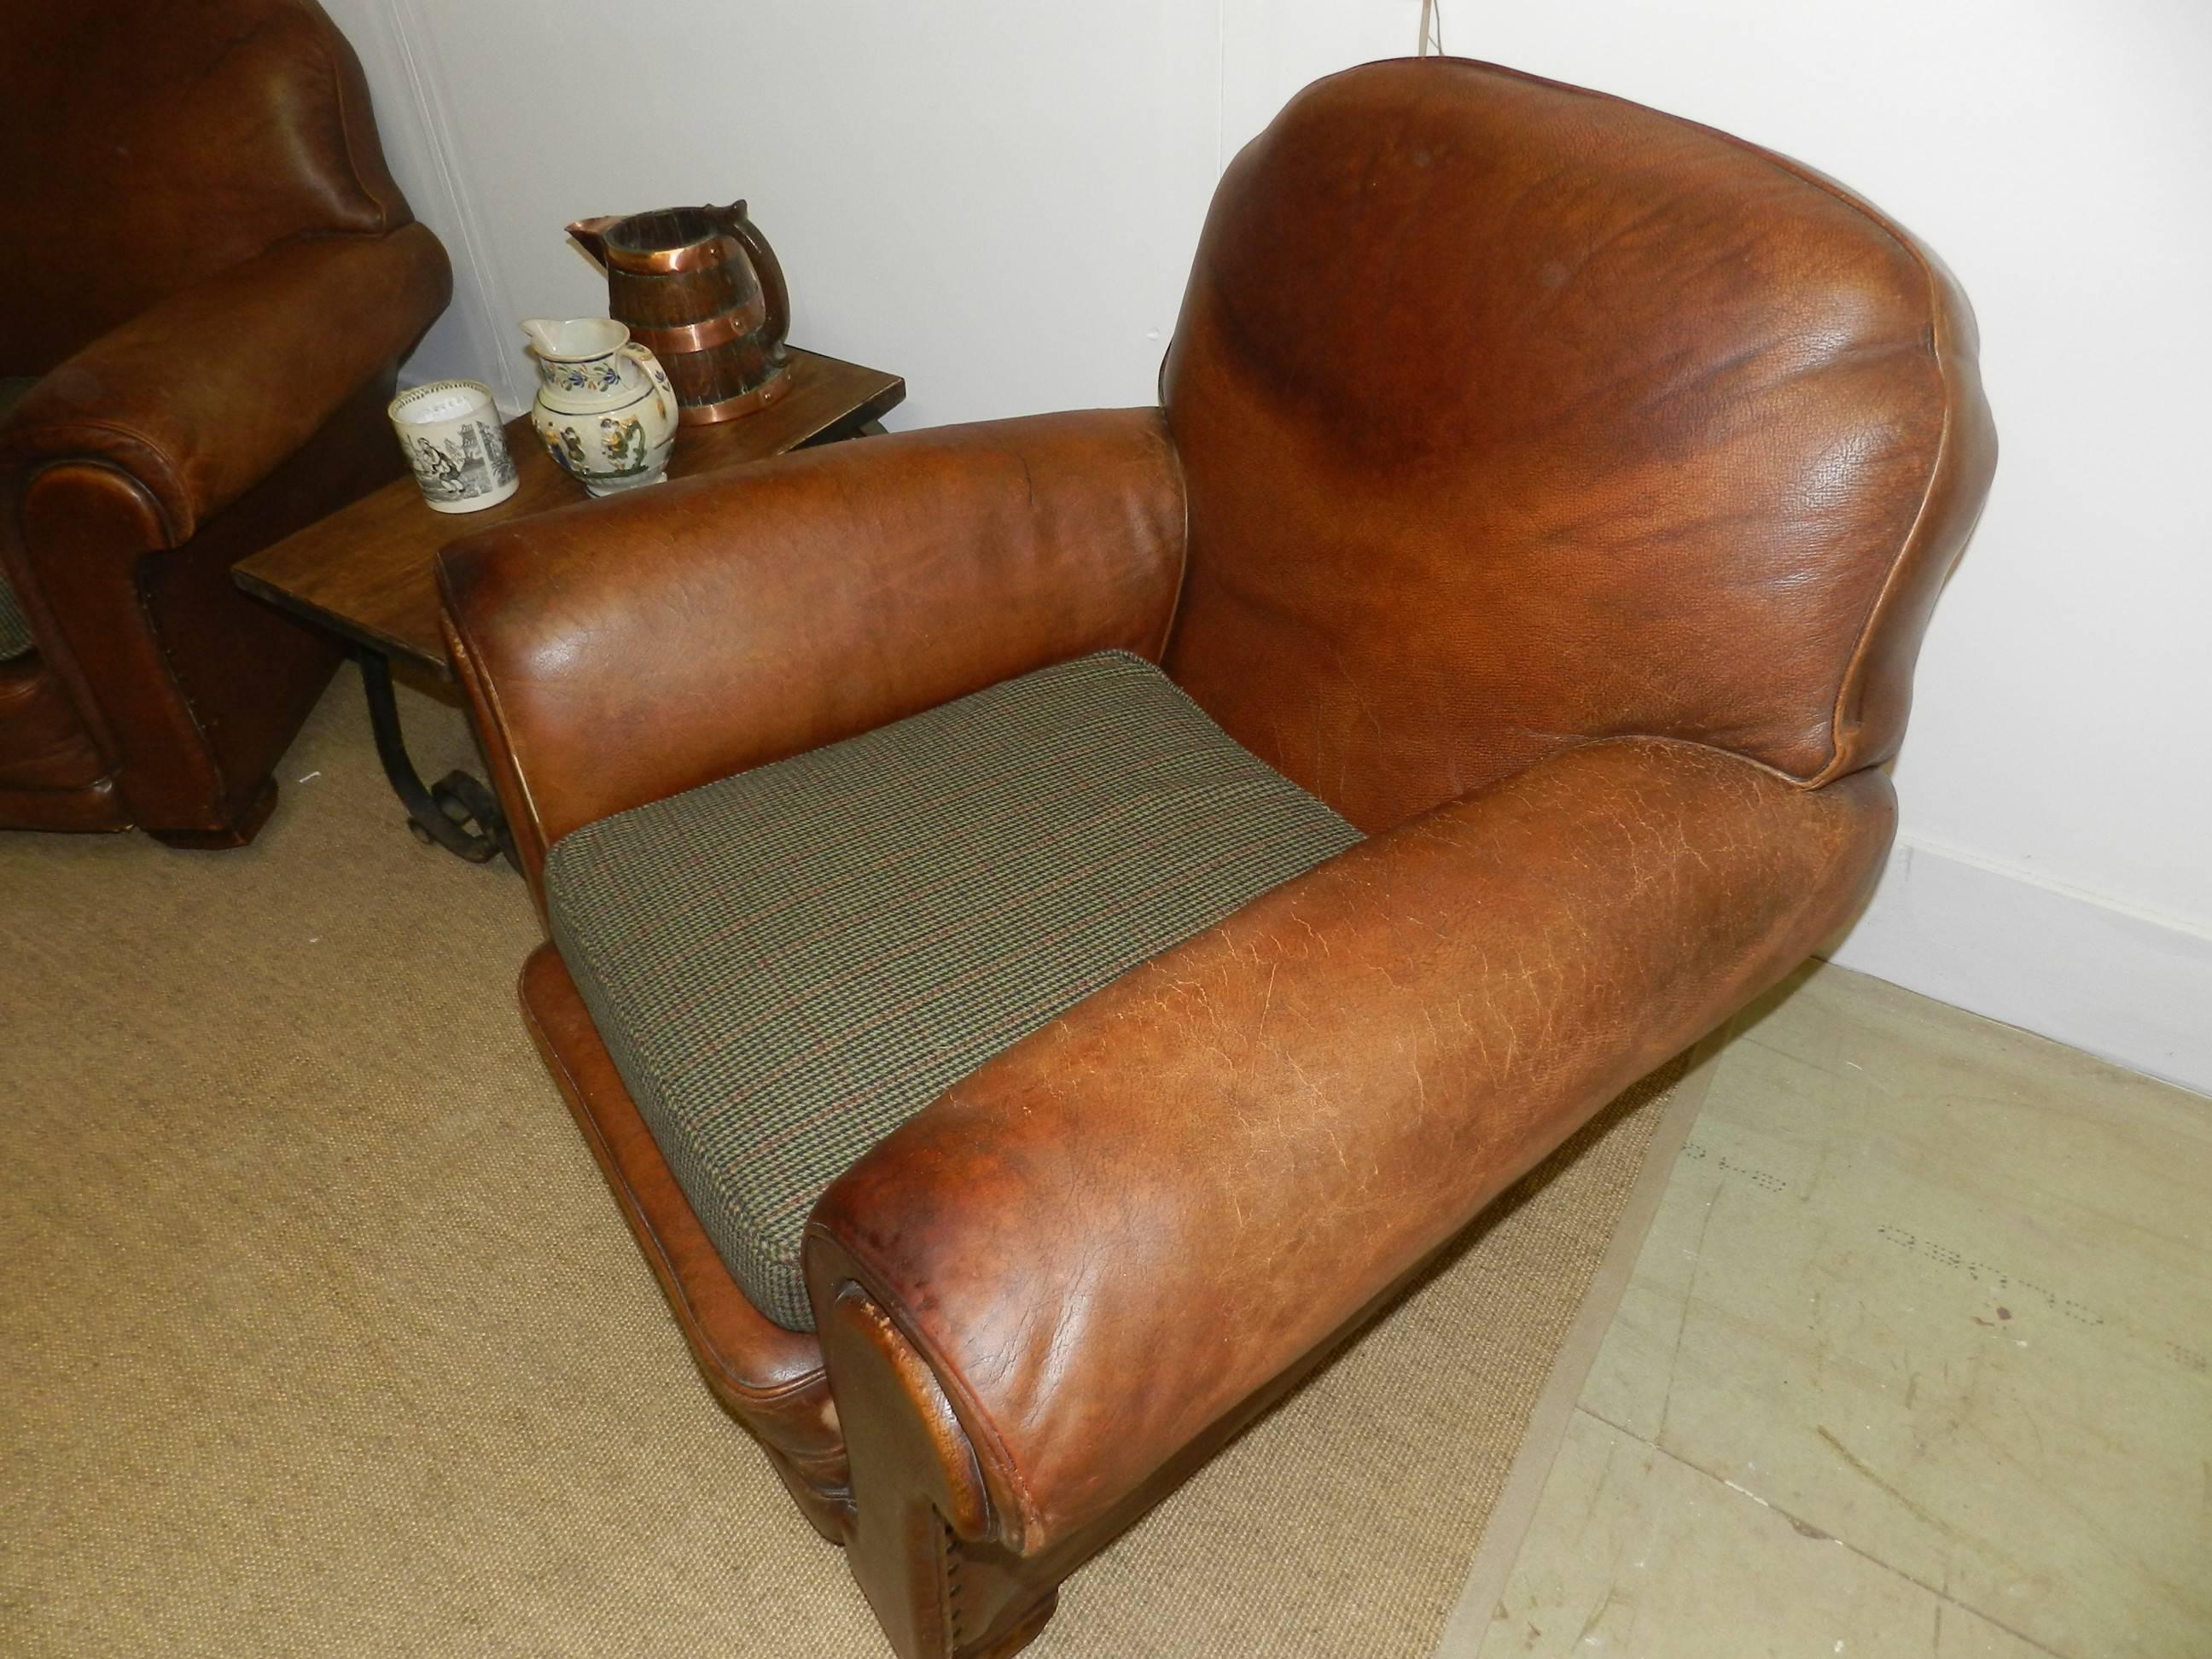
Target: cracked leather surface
[
  {"x": 1122, "y": 1227},
  {"x": 1556, "y": 488}
]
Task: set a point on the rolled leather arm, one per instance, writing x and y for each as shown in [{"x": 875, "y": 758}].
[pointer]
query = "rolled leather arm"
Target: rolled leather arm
[
  {"x": 202, "y": 396},
  {"x": 1126, "y": 1233},
  {"x": 624, "y": 652}
]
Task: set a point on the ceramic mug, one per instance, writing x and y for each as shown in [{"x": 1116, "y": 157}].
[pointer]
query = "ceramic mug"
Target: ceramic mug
[{"x": 449, "y": 432}]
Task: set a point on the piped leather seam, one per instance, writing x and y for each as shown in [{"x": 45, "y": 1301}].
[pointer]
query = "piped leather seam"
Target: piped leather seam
[
  {"x": 46, "y": 463},
  {"x": 1671, "y": 739},
  {"x": 942, "y": 1535},
  {"x": 948, "y": 1378},
  {"x": 1182, "y": 549},
  {"x": 890, "y": 1328},
  {"x": 1851, "y": 681},
  {"x": 113, "y": 752},
  {"x": 1851, "y": 688}
]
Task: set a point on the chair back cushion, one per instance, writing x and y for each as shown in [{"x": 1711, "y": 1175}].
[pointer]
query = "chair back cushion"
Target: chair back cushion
[
  {"x": 1515, "y": 415},
  {"x": 146, "y": 144}
]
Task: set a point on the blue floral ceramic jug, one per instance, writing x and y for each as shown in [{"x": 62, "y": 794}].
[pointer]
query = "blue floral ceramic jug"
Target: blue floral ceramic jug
[{"x": 605, "y": 410}]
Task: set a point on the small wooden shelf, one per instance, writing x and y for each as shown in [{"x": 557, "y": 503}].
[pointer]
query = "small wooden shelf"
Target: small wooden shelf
[{"x": 365, "y": 572}]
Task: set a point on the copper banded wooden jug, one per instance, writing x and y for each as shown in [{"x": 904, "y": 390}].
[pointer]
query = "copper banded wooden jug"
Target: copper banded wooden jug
[{"x": 702, "y": 289}]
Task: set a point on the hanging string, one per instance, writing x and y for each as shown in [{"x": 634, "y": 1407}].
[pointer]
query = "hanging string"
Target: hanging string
[{"x": 1432, "y": 29}]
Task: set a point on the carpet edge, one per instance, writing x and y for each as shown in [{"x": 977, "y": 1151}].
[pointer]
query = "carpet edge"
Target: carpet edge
[{"x": 1511, "y": 1516}]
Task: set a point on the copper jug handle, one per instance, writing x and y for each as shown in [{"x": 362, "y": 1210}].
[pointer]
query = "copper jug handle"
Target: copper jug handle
[{"x": 767, "y": 267}]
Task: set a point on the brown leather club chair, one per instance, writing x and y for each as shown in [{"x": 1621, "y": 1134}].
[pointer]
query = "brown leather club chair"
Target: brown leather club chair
[
  {"x": 1017, "y": 1084},
  {"x": 209, "y": 284}
]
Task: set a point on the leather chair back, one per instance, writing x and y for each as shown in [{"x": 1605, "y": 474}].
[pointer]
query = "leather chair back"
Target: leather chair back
[
  {"x": 1514, "y": 416},
  {"x": 146, "y": 144}
]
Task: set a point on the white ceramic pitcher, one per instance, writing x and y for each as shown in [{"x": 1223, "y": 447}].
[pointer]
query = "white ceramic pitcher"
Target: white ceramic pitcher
[{"x": 604, "y": 409}]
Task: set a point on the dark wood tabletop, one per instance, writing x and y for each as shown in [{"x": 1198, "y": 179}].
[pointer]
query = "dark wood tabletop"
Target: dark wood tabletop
[{"x": 365, "y": 571}]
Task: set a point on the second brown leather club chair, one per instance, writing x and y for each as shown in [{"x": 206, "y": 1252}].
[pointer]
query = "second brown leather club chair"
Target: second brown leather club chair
[
  {"x": 209, "y": 281},
  {"x": 1055, "y": 922}
]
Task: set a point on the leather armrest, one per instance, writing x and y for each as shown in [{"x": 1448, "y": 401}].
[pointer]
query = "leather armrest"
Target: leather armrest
[
  {"x": 623, "y": 651},
  {"x": 1122, "y": 1237},
  {"x": 202, "y": 396}
]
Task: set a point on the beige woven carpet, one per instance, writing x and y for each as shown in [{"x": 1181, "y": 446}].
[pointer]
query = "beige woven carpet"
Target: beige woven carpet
[{"x": 322, "y": 1336}]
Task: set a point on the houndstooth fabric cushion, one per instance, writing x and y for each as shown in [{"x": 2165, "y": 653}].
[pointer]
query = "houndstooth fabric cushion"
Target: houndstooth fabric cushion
[
  {"x": 15, "y": 627},
  {"x": 788, "y": 964}
]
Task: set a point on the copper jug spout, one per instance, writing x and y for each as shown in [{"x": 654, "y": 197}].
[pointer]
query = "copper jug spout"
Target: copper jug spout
[{"x": 593, "y": 234}]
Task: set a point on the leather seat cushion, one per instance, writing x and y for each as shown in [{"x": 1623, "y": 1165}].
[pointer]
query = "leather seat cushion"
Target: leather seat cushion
[
  {"x": 15, "y": 627},
  {"x": 788, "y": 964}
]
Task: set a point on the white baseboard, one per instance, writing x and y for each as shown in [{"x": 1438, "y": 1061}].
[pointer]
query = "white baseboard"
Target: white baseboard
[{"x": 2132, "y": 988}]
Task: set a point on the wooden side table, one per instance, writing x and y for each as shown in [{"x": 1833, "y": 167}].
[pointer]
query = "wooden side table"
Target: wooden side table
[{"x": 365, "y": 573}]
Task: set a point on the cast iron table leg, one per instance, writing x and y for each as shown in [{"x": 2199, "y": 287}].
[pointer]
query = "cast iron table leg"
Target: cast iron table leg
[{"x": 442, "y": 812}]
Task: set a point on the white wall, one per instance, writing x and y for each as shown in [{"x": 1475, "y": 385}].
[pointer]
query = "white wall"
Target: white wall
[
  {"x": 999, "y": 201},
  {"x": 995, "y": 200}
]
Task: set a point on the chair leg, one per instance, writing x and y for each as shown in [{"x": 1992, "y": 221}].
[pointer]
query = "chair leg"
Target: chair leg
[{"x": 920, "y": 1544}]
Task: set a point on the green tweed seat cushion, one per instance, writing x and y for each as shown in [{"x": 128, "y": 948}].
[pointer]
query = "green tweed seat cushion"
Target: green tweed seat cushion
[
  {"x": 15, "y": 627},
  {"x": 788, "y": 964}
]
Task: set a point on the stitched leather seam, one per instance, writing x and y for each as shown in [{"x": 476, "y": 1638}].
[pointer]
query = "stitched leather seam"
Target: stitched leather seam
[
  {"x": 88, "y": 706},
  {"x": 883, "y": 1323},
  {"x": 948, "y": 1559},
  {"x": 1736, "y": 756},
  {"x": 47, "y": 635},
  {"x": 948, "y": 1378},
  {"x": 1852, "y": 680},
  {"x": 93, "y": 423},
  {"x": 1851, "y": 688},
  {"x": 1183, "y": 549},
  {"x": 942, "y": 1539}
]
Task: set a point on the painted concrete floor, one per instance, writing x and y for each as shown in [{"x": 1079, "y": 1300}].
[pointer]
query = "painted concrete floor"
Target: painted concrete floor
[{"x": 1916, "y": 1359}]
